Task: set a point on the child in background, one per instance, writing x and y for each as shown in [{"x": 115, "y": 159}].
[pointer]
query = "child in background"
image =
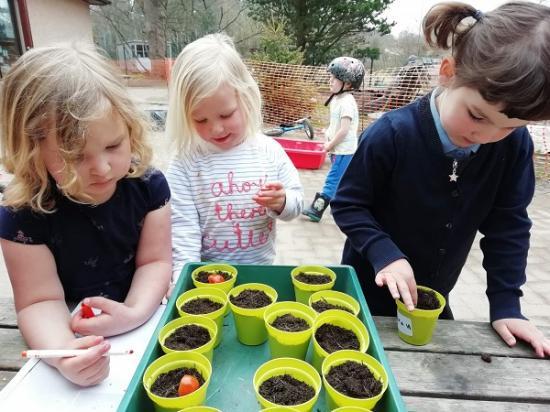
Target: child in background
[
  {"x": 85, "y": 217},
  {"x": 229, "y": 182},
  {"x": 346, "y": 74},
  {"x": 428, "y": 176}
]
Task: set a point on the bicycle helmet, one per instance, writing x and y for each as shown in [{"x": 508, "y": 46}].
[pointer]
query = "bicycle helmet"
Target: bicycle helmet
[{"x": 347, "y": 69}]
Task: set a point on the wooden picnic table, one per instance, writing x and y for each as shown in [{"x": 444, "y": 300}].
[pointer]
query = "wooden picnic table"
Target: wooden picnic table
[{"x": 448, "y": 374}]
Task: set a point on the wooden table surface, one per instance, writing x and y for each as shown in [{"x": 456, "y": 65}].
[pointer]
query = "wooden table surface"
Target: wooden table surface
[{"x": 448, "y": 374}]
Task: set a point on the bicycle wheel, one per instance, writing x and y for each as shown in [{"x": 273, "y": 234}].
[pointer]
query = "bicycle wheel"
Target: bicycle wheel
[
  {"x": 276, "y": 131},
  {"x": 308, "y": 129}
]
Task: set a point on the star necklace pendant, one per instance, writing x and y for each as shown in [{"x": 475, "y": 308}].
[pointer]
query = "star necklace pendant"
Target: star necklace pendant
[{"x": 454, "y": 177}]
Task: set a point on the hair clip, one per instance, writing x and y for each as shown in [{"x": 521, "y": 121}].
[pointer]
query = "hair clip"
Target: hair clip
[{"x": 478, "y": 15}]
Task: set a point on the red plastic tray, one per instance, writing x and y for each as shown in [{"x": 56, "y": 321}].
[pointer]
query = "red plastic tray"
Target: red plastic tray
[{"x": 304, "y": 154}]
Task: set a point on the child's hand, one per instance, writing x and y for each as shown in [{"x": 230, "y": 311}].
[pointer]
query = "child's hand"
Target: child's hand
[
  {"x": 88, "y": 369},
  {"x": 510, "y": 328},
  {"x": 272, "y": 195},
  {"x": 327, "y": 146},
  {"x": 113, "y": 319},
  {"x": 398, "y": 276}
]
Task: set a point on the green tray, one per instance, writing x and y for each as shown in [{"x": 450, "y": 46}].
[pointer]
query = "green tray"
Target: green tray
[{"x": 234, "y": 364}]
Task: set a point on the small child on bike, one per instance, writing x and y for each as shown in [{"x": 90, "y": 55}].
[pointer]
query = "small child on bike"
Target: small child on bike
[
  {"x": 346, "y": 74},
  {"x": 230, "y": 182}
]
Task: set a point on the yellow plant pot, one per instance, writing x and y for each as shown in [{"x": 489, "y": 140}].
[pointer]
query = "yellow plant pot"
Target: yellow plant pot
[
  {"x": 303, "y": 290},
  {"x": 172, "y": 361},
  {"x": 336, "y": 298},
  {"x": 212, "y": 267},
  {"x": 206, "y": 349},
  {"x": 416, "y": 327},
  {"x": 249, "y": 323},
  {"x": 283, "y": 344},
  {"x": 336, "y": 399},
  {"x": 215, "y": 295},
  {"x": 344, "y": 320},
  {"x": 296, "y": 368}
]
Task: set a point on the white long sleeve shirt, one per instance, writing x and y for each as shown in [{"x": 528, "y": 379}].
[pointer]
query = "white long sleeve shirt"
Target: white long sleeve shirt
[{"x": 214, "y": 217}]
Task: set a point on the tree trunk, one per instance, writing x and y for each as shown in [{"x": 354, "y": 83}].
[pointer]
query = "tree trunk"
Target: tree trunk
[{"x": 155, "y": 23}]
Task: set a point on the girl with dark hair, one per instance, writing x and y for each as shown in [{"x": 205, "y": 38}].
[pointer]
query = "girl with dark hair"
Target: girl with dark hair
[{"x": 428, "y": 176}]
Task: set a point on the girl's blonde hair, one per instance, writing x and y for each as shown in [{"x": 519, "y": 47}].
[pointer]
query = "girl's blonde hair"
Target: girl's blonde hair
[
  {"x": 61, "y": 89},
  {"x": 200, "y": 69}
]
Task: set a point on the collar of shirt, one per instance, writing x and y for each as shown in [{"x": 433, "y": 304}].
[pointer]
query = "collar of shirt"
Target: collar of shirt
[{"x": 449, "y": 148}]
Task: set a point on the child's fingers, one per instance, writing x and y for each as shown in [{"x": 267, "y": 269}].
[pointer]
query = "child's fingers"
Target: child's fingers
[
  {"x": 101, "y": 303},
  {"x": 386, "y": 278},
  {"x": 86, "y": 342},
  {"x": 504, "y": 332},
  {"x": 406, "y": 295},
  {"x": 272, "y": 186}
]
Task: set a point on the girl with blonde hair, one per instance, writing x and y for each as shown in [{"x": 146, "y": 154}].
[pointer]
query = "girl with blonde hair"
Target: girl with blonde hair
[
  {"x": 229, "y": 182},
  {"x": 85, "y": 216}
]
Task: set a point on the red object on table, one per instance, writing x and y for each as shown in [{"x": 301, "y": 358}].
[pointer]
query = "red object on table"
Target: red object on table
[
  {"x": 304, "y": 154},
  {"x": 86, "y": 311}
]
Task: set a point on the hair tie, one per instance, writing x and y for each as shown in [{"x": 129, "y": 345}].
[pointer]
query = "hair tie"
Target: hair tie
[{"x": 478, "y": 15}]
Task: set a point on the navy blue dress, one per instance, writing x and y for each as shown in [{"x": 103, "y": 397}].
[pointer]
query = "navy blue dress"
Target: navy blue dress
[{"x": 94, "y": 247}]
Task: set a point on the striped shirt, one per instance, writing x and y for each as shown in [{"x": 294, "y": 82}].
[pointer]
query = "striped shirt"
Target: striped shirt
[{"x": 214, "y": 217}]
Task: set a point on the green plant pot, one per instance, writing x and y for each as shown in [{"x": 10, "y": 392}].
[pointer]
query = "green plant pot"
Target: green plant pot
[
  {"x": 296, "y": 368},
  {"x": 280, "y": 409},
  {"x": 336, "y": 399},
  {"x": 303, "y": 290},
  {"x": 283, "y": 344},
  {"x": 172, "y": 361},
  {"x": 416, "y": 327},
  {"x": 344, "y": 320},
  {"x": 336, "y": 298},
  {"x": 207, "y": 349},
  {"x": 225, "y": 286},
  {"x": 215, "y": 295},
  {"x": 200, "y": 409},
  {"x": 249, "y": 323},
  {"x": 351, "y": 409}
]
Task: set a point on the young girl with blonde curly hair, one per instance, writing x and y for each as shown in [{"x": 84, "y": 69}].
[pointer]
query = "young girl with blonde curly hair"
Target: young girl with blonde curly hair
[
  {"x": 230, "y": 183},
  {"x": 85, "y": 216}
]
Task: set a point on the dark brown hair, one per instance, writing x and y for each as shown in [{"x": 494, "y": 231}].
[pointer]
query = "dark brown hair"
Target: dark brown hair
[{"x": 504, "y": 54}]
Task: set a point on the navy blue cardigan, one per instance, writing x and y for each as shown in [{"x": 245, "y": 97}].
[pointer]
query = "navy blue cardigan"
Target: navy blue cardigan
[{"x": 396, "y": 201}]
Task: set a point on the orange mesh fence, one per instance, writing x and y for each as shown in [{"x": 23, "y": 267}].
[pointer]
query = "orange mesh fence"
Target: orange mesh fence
[{"x": 291, "y": 92}]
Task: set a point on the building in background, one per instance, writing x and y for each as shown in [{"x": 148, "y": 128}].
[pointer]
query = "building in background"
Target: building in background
[{"x": 33, "y": 23}]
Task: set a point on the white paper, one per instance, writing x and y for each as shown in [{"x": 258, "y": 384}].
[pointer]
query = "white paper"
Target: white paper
[
  {"x": 38, "y": 386},
  {"x": 404, "y": 324}
]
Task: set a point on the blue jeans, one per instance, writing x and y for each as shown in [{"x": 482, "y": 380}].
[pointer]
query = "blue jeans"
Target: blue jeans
[{"x": 339, "y": 165}]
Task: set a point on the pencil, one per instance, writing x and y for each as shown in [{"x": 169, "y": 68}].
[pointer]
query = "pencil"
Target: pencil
[{"x": 66, "y": 353}]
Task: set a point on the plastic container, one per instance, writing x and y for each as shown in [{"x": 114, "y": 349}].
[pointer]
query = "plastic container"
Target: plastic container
[
  {"x": 302, "y": 290},
  {"x": 336, "y": 298},
  {"x": 211, "y": 267},
  {"x": 170, "y": 362},
  {"x": 206, "y": 349},
  {"x": 250, "y": 323},
  {"x": 215, "y": 295},
  {"x": 336, "y": 399},
  {"x": 296, "y": 368},
  {"x": 234, "y": 362},
  {"x": 344, "y": 320},
  {"x": 304, "y": 154},
  {"x": 289, "y": 344},
  {"x": 416, "y": 327}
]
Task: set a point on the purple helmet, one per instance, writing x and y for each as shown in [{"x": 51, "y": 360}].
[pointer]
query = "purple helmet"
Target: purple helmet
[{"x": 347, "y": 69}]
